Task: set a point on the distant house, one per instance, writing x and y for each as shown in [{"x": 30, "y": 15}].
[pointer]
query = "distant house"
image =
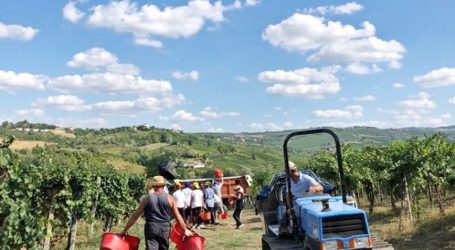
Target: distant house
[{"x": 194, "y": 164}]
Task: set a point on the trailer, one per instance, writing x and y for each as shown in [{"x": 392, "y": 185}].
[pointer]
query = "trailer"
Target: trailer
[{"x": 227, "y": 190}]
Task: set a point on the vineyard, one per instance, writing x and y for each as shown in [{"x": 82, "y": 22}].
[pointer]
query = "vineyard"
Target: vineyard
[
  {"x": 46, "y": 193},
  {"x": 43, "y": 201}
]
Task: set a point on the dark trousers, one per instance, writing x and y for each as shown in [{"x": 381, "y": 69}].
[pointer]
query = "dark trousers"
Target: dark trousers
[
  {"x": 196, "y": 218},
  {"x": 212, "y": 214},
  {"x": 239, "y": 205},
  {"x": 157, "y": 235},
  {"x": 182, "y": 212},
  {"x": 187, "y": 214}
]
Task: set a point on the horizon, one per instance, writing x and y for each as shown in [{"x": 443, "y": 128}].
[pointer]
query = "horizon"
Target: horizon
[{"x": 238, "y": 66}]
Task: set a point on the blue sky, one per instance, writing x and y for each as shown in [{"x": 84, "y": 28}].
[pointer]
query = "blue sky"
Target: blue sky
[{"x": 228, "y": 66}]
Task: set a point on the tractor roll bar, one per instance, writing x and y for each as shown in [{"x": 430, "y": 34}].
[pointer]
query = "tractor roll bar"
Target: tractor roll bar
[{"x": 286, "y": 164}]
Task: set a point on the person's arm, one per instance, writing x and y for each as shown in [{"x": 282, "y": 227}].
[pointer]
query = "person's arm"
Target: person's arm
[
  {"x": 315, "y": 187},
  {"x": 133, "y": 218},
  {"x": 177, "y": 215}
]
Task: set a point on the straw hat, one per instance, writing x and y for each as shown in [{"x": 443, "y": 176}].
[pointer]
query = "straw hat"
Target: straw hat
[
  {"x": 157, "y": 181},
  {"x": 292, "y": 166}
]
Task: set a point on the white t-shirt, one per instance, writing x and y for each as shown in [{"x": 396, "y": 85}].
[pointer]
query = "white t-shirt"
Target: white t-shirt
[
  {"x": 179, "y": 197},
  {"x": 187, "y": 193},
  {"x": 240, "y": 192},
  {"x": 197, "y": 198}
]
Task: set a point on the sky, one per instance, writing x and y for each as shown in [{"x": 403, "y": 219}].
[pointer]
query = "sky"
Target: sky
[{"x": 228, "y": 66}]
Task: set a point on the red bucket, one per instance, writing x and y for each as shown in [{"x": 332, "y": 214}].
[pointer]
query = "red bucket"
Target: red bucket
[
  {"x": 177, "y": 234},
  {"x": 195, "y": 242},
  {"x": 205, "y": 215},
  {"x": 223, "y": 216},
  {"x": 111, "y": 241},
  {"x": 218, "y": 173}
]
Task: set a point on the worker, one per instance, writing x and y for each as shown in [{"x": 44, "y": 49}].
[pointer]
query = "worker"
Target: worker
[
  {"x": 302, "y": 184},
  {"x": 197, "y": 203},
  {"x": 209, "y": 199},
  {"x": 179, "y": 198},
  {"x": 239, "y": 204},
  {"x": 187, "y": 194},
  {"x": 157, "y": 208},
  {"x": 217, "y": 184}
]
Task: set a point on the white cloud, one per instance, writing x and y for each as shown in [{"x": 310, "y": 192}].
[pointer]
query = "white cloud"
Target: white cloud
[
  {"x": 183, "y": 116},
  {"x": 72, "y": 13},
  {"x": 265, "y": 126},
  {"x": 163, "y": 118},
  {"x": 111, "y": 83},
  {"x": 17, "y": 32},
  {"x": 207, "y": 112},
  {"x": 369, "y": 50},
  {"x": 33, "y": 113},
  {"x": 192, "y": 75},
  {"x": 367, "y": 98},
  {"x": 288, "y": 125},
  {"x": 350, "y": 112},
  {"x": 346, "y": 9},
  {"x": 176, "y": 127},
  {"x": 148, "y": 42},
  {"x": 134, "y": 107},
  {"x": 99, "y": 58},
  {"x": 398, "y": 85},
  {"x": 437, "y": 78},
  {"x": 252, "y": 2},
  {"x": 241, "y": 78},
  {"x": 231, "y": 114},
  {"x": 10, "y": 80},
  {"x": 421, "y": 101},
  {"x": 335, "y": 42},
  {"x": 215, "y": 130},
  {"x": 452, "y": 100},
  {"x": 362, "y": 69},
  {"x": 308, "y": 82},
  {"x": 149, "y": 20},
  {"x": 302, "y": 32},
  {"x": 63, "y": 102},
  {"x": 79, "y": 123}
]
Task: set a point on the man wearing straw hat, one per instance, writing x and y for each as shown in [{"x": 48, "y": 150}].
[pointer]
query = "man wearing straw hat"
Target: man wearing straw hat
[{"x": 157, "y": 207}]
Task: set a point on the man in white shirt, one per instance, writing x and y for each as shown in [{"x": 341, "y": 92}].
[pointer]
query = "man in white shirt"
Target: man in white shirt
[
  {"x": 187, "y": 194},
  {"x": 197, "y": 202},
  {"x": 179, "y": 198},
  {"x": 302, "y": 184}
]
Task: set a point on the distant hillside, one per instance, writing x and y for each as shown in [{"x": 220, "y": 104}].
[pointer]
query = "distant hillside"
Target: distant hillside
[
  {"x": 359, "y": 136},
  {"x": 141, "y": 149}
]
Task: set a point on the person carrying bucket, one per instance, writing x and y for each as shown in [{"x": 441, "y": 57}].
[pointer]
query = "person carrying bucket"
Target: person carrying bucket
[
  {"x": 157, "y": 207},
  {"x": 239, "y": 204},
  {"x": 179, "y": 198},
  {"x": 217, "y": 184},
  {"x": 209, "y": 198},
  {"x": 197, "y": 202}
]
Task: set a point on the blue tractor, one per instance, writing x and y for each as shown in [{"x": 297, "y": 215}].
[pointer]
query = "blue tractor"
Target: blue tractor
[{"x": 314, "y": 221}]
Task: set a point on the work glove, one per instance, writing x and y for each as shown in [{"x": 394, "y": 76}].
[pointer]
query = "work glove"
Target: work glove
[{"x": 188, "y": 233}]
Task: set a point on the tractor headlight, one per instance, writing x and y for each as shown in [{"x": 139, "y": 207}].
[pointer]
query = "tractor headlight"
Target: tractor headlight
[
  {"x": 362, "y": 242},
  {"x": 329, "y": 245}
]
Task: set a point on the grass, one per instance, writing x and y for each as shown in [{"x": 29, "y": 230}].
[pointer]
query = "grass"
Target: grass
[
  {"x": 18, "y": 144},
  {"x": 431, "y": 232},
  {"x": 223, "y": 236}
]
